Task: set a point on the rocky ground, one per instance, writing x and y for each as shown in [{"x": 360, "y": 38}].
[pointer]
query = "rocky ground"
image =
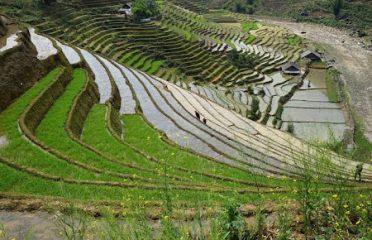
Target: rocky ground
[{"x": 353, "y": 60}]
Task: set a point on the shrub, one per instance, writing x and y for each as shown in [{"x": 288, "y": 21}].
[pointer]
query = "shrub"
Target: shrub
[
  {"x": 248, "y": 26},
  {"x": 242, "y": 59},
  {"x": 332, "y": 85},
  {"x": 231, "y": 225},
  {"x": 284, "y": 225},
  {"x": 254, "y": 114},
  {"x": 294, "y": 40},
  {"x": 290, "y": 128},
  {"x": 337, "y": 5},
  {"x": 145, "y": 9}
]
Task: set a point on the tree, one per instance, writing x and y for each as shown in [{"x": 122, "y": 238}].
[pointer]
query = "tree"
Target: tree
[
  {"x": 145, "y": 9},
  {"x": 337, "y": 5},
  {"x": 242, "y": 59}
]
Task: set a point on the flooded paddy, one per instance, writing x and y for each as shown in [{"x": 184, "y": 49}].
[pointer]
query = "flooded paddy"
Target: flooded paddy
[
  {"x": 11, "y": 42},
  {"x": 44, "y": 45},
  {"x": 310, "y": 112}
]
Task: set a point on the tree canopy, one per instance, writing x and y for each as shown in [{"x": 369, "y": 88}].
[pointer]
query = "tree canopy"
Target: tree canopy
[
  {"x": 145, "y": 9},
  {"x": 242, "y": 59}
]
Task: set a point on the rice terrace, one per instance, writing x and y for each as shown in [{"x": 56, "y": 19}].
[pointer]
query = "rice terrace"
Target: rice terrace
[{"x": 185, "y": 119}]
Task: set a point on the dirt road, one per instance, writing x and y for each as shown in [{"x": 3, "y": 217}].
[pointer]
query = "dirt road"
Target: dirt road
[{"x": 353, "y": 61}]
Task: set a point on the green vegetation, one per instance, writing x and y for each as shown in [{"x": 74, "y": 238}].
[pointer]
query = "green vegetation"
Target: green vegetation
[
  {"x": 337, "y": 5},
  {"x": 354, "y": 15},
  {"x": 294, "y": 40},
  {"x": 363, "y": 147},
  {"x": 248, "y": 26},
  {"x": 332, "y": 85},
  {"x": 141, "y": 174},
  {"x": 255, "y": 109},
  {"x": 250, "y": 39},
  {"x": 145, "y": 9},
  {"x": 241, "y": 60},
  {"x": 242, "y": 6},
  {"x": 219, "y": 16}
]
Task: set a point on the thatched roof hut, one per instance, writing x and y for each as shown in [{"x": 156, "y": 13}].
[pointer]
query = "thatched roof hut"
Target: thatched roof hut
[
  {"x": 291, "y": 68},
  {"x": 311, "y": 55}
]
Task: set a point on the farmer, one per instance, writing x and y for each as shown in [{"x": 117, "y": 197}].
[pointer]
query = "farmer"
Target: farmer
[
  {"x": 205, "y": 121},
  {"x": 358, "y": 171},
  {"x": 197, "y": 115}
]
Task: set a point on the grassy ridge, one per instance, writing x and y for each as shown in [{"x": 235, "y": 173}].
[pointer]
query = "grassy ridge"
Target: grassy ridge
[{"x": 20, "y": 151}]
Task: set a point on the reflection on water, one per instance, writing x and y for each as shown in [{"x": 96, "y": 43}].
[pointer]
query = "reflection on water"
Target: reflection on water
[{"x": 313, "y": 116}]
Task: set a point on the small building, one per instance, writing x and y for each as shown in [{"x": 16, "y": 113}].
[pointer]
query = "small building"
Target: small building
[
  {"x": 126, "y": 9},
  {"x": 291, "y": 68},
  {"x": 311, "y": 55}
]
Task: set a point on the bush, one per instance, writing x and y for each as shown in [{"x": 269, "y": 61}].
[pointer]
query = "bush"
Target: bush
[
  {"x": 290, "y": 128},
  {"x": 242, "y": 59},
  {"x": 241, "y": 6},
  {"x": 255, "y": 113},
  {"x": 145, "y": 9},
  {"x": 248, "y": 26},
  {"x": 337, "y": 5},
  {"x": 294, "y": 40},
  {"x": 230, "y": 224}
]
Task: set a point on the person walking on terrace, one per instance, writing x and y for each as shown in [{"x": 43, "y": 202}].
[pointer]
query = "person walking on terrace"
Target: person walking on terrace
[{"x": 358, "y": 172}]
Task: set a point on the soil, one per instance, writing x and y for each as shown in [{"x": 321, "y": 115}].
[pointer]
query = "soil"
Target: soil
[
  {"x": 20, "y": 69},
  {"x": 352, "y": 60}
]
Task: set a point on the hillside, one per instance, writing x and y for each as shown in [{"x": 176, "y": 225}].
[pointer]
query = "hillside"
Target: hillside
[
  {"x": 354, "y": 15},
  {"x": 175, "y": 122}
]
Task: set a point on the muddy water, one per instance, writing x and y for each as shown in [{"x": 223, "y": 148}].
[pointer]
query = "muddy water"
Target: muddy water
[
  {"x": 44, "y": 45},
  {"x": 101, "y": 77},
  {"x": 317, "y": 78},
  {"x": 70, "y": 53},
  {"x": 11, "y": 42},
  {"x": 313, "y": 116}
]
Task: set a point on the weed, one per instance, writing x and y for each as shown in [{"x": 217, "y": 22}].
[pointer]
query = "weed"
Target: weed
[
  {"x": 284, "y": 228},
  {"x": 73, "y": 223},
  {"x": 332, "y": 85},
  {"x": 248, "y": 26},
  {"x": 260, "y": 223},
  {"x": 294, "y": 40},
  {"x": 290, "y": 127}
]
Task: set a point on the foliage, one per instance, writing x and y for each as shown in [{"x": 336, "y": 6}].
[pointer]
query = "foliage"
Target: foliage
[
  {"x": 260, "y": 223},
  {"x": 290, "y": 127},
  {"x": 250, "y": 39},
  {"x": 337, "y": 5},
  {"x": 332, "y": 85},
  {"x": 230, "y": 223},
  {"x": 242, "y": 59},
  {"x": 73, "y": 223},
  {"x": 294, "y": 40},
  {"x": 242, "y": 6},
  {"x": 363, "y": 147},
  {"x": 145, "y": 9},
  {"x": 248, "y": 26},
  {"x": 284, "y": 225},
  {"x": 255, "y": 107}
]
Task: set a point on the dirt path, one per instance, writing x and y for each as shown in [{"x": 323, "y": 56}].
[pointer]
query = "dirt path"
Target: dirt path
[{"x": 353, "y": 61}]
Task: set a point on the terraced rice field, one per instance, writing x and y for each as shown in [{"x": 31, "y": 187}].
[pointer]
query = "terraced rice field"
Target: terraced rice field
[{"x": 132, "y": 105}]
